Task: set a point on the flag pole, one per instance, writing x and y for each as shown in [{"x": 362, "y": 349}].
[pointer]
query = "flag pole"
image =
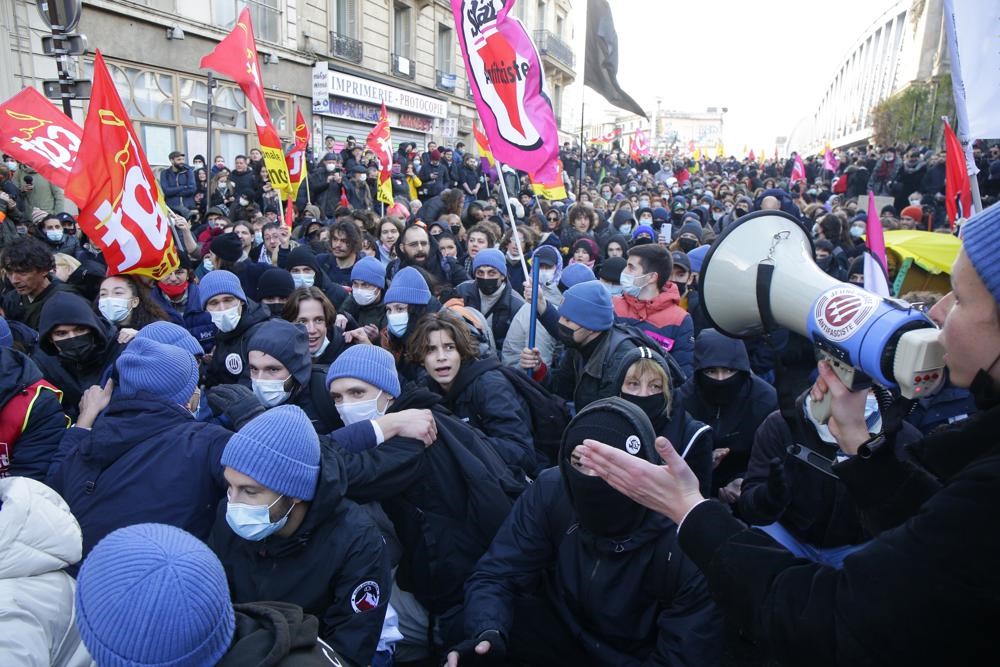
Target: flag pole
[
  {"x": 510, "y": 214},
  {"x": 309, "y": 199}
]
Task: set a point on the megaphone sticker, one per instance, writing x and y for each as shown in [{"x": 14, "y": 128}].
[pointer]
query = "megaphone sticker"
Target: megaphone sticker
[{"x": 841, "y": 311}]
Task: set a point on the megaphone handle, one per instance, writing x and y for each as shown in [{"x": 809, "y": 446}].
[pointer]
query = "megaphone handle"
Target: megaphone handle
[{"x": 822, "y": 410}]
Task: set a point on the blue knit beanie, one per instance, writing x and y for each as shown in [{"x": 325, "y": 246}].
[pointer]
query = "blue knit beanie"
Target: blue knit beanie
[
  {"x": 408, "y": 286},
  {"x": 490, "y": 257},
  {"x": 155, "y": 368},
  {"x": 286, "y": 342},
  {"x": 589, "y": 305},
  {"x": 643, "y": 229},
  {"x": 220, "y": 282},
  {"x": 575, "y": 274},
  {"x": 981, "y": 240},
  {"x": 6, "y": 338},
  {"x": 369, "y": 270},
  {"x": 150, "y": 594},
  {"x": 169, "y": 333},
  {"x": 369, "y": 364},
  {"x": 279, "y": 449}
]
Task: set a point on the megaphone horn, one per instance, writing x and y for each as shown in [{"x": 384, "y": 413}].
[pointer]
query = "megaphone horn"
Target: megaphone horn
[{"x": 760, "y": 274}]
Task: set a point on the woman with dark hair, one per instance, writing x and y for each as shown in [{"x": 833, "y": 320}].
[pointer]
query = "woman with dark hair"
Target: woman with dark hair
[
  {"x": 223, "y": 190},
  {"x": 201, "y": 192},
  {"x": 389, "y": 229},
  {"x": 406, "y": 301},
  {"x": 309, "y": 307},
  {"x": 128, "y": 304},
  {"x": 474, "y": 389}
]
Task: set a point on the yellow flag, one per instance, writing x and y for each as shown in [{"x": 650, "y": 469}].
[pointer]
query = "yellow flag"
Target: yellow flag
[{"x": 719, "y": 151}]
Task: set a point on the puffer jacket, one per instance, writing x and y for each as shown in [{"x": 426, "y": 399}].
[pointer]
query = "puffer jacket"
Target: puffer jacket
[
  {"x": 663, "y": 320},
  {"x": 39, "y": 538}
]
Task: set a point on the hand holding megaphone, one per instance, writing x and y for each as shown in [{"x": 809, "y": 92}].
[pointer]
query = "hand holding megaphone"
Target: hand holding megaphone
[{"x": 760, "y": 275}]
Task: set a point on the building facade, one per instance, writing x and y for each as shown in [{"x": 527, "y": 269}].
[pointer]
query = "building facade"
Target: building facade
[
  {"x": 334, "y": 59},
  {"x": 667, "y": 130}
]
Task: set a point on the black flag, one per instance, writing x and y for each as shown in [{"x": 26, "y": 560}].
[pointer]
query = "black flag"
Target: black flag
[{"x": 601, "y": 64}]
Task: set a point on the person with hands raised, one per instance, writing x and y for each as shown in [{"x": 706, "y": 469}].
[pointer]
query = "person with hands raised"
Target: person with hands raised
[{"x": 910, "y": 596}]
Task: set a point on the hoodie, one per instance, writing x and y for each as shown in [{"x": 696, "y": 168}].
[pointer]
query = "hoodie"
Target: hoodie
[
  {"x": 74, "y": 378},
  {"x": 229, "y": 363}
]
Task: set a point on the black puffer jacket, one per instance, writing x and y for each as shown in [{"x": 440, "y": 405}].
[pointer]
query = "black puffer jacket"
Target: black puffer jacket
[{"x": 31, "y": 414}]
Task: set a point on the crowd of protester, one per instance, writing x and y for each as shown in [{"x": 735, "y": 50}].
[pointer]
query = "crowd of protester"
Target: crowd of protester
[{"x": 329, "y": 438}]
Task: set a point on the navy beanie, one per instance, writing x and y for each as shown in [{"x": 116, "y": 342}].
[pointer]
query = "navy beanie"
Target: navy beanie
[
  {"x": 367, "y": 363},
  {"x": 692, "y": 227},
  {"x": 575, "y": 274},
  {"x": 153, "y": 595},
  {"x": 490, "y": 257},
  {"x": 301, "y": 256},
  {"x": 275, "y": 282},
  {"x": 286, "y": 342},
  {"x": 981, "y": 238},
  {"x": 369, "y": 270},
  {"x": 6, "y": 338},
  {"x": 219, "y": 282},
  {"x": 589, "y": 305},
  {"x": 278, "y": 449},
  {"x": 169, "y": 333},
  {"x": 408, "y": 286},
  {"x": 155, "y": 368}
]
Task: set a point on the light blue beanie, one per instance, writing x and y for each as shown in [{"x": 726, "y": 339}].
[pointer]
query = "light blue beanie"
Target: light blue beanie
[
  {"x": 490, "y": 257},
  {"x": 575, "y": 274},
  {"x": 369, "y": 270},
  {"x": 981, "y": 240},
  {"x": 367, "y": 363},
  {"x": 153, "y": 595},
  {"x": 169, "y": 333},
  {"x": 589, "y": 305},
  {"x": 279, "y": 449},
  {"x": 220, "y": 282},
  {"x": 408, "y": 286},
  {"x": 155, "y": 368}
]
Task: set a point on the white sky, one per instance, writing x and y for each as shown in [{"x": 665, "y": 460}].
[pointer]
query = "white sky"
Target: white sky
[{"x": 767, "y": 61}]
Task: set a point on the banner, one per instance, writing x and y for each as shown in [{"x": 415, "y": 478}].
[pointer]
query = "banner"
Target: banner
[
  {"x": 380, "y": 143},
  {"x": 121, "y": 207},
  {"x": 37, "y": 134},
  {"x": 548, "y": 183},
  {"x": 295, "y": 161},
  {"x": 507, "y": 82},
  {"x": 830, "y": 162},
  {"x": 973, "y": 29},
  {"x": 798, "y": 171},
  {"x": 236, "y": 57},
  {"x": 641, "y": 143}
]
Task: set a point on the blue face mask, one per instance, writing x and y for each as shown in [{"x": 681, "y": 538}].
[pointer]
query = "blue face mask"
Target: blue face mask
[
  {"x": 303, "y": 280},
  {"x": 258, "y": 238},
  {"x": 397, "y": 323},
  {"x": 253, "y": 522},
  {"x": 54, "y": 235}
]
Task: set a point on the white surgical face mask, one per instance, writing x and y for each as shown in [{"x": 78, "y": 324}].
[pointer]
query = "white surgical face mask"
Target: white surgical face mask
[
  {"x": 258, "y": 237},
  {"x": 330, "y": 166},
  {"x": 115, "y": 310},
  {"x": 54, "y": 235},
  {"x": 359, "y": 411},
  {"x": 226, "y": 320},
  {"x": 11, "y": 165},
  {"x": 270, "y": 392},
  {"x": 546, "y": 276},
  {"x": 208, "y": 264},
  {"x": 303, "y": 279},
  {"x": 632, "y": 285},
  {"x": 253, "y": 522},
  {"x": 364, "y": 297},
  {"x": 625, "y": 228},
  {"x": 397, "y": 323},
  {"x": 857, "y": 232}
]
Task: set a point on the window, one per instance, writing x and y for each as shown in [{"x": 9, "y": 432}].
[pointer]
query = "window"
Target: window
[
  {"x": 540, "y": 15},
  {"x": 401, "y": 30},
  {"x": 345, "y": 18},
  {"x": 445, "y": 50},
  {"x": 560, "y": 26},
  {"x": 265, "y": 14}
]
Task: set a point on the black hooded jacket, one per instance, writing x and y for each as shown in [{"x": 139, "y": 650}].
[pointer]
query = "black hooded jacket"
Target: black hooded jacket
[
  {"x": 628, "y": 600},
  {"x": 323, "y": 567},
  {"x": 71, "y": 377},
  {"x": 275, "y": 634},
  {"x": 29, "y": 453},
  {"x": 735, "y": 413},
  {"x": 229, "y": 363}
]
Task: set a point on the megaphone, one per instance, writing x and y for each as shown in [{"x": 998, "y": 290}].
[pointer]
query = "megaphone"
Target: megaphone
[{"x": 760, "y": 274}]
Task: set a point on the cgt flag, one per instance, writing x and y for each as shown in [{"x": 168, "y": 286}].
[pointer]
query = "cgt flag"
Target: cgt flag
[
  {"x": 121, "y": 207},
  {"x": 236, "y": 57},
  {"x": 380, "y": 143},
  {"x": 296, "y": 159},
  {"x": 37, "y": 134},
  {"x": 508, "y": 83},
  {"x": 601, "y": 63},
  {"x": 798, "y": 170}
]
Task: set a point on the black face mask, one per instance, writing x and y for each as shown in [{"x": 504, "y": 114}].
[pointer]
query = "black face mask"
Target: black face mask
[
  {"x": 600, "y": 509},
  {"x": 275, "y": 308},
  {"x": 824, "y": 263},
  {"x": 653, "y": 406},
  {"x": 566, "y": 336},
  {"x": 681, "y": 287},
  {"x": 720, "y": 392},
  {"x": 76, "y": 349},
  {"x": 984, "y": 390},
  {"x": 687, "y": 245},
  {"x": 489, "y": 286}
]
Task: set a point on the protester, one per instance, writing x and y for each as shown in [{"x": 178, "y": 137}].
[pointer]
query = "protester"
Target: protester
[
  {"x": 28, "y": 265},
  {"x": 235, "y": 318},
  {"x": 491, "y": 293},
  {"x": 365, "y": 303}
]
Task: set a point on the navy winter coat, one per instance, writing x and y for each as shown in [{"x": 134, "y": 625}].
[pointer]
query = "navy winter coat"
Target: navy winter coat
[{"x": 32, "y": 452}]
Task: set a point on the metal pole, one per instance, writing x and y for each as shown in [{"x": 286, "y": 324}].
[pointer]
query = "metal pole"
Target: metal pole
[
  {"x": 510, "y": 214},
  {"x": 583, "y": 108},
  {"x": 209, "y": 159},
  {"x": 63, "y": 77}
]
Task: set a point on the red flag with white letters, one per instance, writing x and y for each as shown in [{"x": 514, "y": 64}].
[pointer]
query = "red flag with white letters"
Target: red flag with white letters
[
  {"x": 36, "y": 133},
  {"x": 121, "y": 207}
]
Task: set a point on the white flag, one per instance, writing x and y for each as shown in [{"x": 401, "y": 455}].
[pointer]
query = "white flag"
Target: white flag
[{"x": 973, "y": 28}]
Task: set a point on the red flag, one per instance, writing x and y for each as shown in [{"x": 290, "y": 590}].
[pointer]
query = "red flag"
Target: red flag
[
  {"x": 633, "y": 150},
  {"x": 956, "y": 177},
  {"x": 296, "y": 158},
  {"x": 798, "y": 170},
  {"x": 236, "y": 57},
  {"x": 121, "y": 206},
  {"x": 379, "y": 142},
  {"x": 37, "y": 134}
]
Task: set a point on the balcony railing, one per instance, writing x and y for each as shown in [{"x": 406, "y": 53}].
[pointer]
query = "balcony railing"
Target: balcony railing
[
  {"x": 348, "y": 48},
  {"x": 550, "y": 45},
  {"x": 403, "y": 67},
  {"x": 446, "y": 81}
]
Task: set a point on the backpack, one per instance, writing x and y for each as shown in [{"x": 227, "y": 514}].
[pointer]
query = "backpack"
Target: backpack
[
  {"x": 550, "y": 414},
  {"x": 479, "y": 329}
]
